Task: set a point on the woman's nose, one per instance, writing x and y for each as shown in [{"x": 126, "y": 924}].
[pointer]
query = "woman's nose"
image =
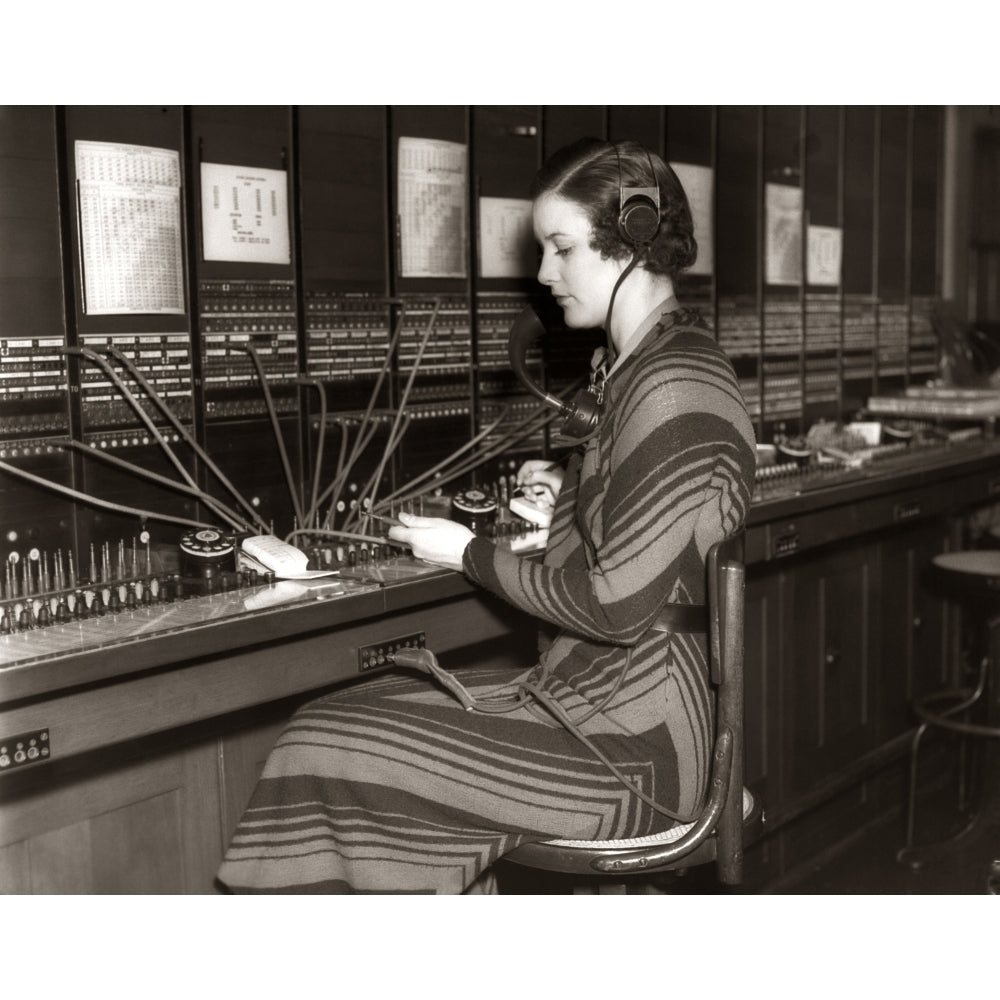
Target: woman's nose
[{"x": 545, "y": 270}]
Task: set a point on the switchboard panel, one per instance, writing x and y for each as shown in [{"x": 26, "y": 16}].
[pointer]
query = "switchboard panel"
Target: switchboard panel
[{"x": 246, "y": 318}]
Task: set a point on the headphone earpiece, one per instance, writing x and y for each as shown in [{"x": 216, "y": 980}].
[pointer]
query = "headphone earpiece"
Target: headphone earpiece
[
  {"x": 639, "y": 219},
  {"x": 639, "y": 208}
]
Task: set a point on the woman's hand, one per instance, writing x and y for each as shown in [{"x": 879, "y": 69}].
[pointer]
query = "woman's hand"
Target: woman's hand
[
  {"x": 540, "y": 482},
  {"x": 433, "y": 539}
]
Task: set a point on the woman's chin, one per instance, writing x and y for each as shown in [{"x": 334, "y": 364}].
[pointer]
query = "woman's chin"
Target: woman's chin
[{"x": 574, "y": 319}]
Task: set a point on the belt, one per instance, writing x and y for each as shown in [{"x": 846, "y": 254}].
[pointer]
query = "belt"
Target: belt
[{"x": 682, "y": 618}]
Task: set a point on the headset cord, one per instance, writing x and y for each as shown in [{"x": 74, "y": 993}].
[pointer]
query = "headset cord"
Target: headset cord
[
  {"x": 425, "y": 660},
  {"x": 561, "y": 715},
  {"x": 611, "y": 302}
]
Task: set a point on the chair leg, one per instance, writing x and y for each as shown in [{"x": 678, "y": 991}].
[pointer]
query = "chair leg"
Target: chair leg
[{"x": 601, "y": 889}]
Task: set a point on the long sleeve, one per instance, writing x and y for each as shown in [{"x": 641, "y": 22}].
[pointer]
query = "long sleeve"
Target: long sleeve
[{"x": 668, "y": 474}]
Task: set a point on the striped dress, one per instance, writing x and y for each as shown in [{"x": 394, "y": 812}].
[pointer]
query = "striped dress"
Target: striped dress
[{"x": 390, "y": 785}]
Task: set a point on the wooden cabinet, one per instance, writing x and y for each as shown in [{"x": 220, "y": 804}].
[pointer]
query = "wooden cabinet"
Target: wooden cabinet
[
  {"x": 156, "y": 756},
  {"x": 838, "y": 642},
  {"x": 151, "y": 771},
  {"x": 140, "y": 825}
]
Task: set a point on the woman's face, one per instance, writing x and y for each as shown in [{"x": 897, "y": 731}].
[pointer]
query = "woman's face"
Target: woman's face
[{"x": 579, "y": 279}]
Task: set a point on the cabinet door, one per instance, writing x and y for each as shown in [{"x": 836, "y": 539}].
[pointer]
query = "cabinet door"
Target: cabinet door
[
  {"x": 242, "y": 755},
  {"x": 829, "y": 632},
  {"x": 149, "y": 826},
  {"x": 914, "y": 655},
  {"x": 830, "y": 627}
]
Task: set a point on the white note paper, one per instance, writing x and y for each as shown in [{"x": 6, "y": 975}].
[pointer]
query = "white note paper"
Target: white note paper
[
  {"x": 783, "y": 237},
  {"x": 824, "y": 247},
  {"x": 698, "y": 183},
  {"x": 244, "y": 214},
  {"x": 129, "y": 211},
  {"x": 432, "y": 193},
  {"x": 506, "y": 240}
]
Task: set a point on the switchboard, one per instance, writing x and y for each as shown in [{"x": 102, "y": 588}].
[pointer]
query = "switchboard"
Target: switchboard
[{"x": 297, "y": 389}]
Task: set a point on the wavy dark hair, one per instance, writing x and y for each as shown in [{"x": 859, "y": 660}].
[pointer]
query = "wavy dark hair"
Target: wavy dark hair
[{"x": 587, "y": 173}]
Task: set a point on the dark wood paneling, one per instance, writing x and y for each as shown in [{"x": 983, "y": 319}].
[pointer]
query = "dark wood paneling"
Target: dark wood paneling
[
  {"x": 342, "y": 192},
  {"x": 925, "y": 263},
  {"x": 822, "y": 159},
  {"x": 640, "y": 124},
  {"x": 892, "y": 204},
  {"x": 563, "y": 124},
  {"x": 30, "y": 254},
  {"x": 859, "y": 199},
  {"x": 738, "y": 193},
  {"x": 505, "y": 150},
  {"x": 689, "y": 135}
]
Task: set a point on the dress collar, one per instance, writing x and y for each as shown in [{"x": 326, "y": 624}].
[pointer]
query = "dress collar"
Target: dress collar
[{"x": 668, "y": 305}]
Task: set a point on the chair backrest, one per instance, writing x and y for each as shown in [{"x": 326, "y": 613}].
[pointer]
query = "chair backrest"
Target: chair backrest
[{"x": 726, "y": 592}]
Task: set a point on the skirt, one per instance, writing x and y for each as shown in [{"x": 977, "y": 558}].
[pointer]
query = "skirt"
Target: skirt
[{"x": 391, "y": 786}]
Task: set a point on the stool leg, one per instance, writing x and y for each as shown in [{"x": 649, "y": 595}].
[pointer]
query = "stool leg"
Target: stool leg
[
  {"x": 964, "y": 757},
  {"x": 911, "y": 801},
  {"x": 917, "y": 855},
  {"x": 993, "y": 878}
]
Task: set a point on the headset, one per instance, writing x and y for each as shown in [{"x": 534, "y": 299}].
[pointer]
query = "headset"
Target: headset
[
  {"x": 639, "y": 208},
  {"x": 638, "y": 225}
]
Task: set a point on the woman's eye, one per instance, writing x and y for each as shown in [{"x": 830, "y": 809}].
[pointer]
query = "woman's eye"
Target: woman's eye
[{"x": 563, "y": 252}]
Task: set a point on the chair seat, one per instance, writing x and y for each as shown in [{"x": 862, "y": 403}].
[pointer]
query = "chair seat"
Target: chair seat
[{"x": 650, "y": 840}]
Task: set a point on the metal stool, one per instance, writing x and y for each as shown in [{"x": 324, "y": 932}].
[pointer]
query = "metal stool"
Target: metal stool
[{"x": 972, "y": 579}]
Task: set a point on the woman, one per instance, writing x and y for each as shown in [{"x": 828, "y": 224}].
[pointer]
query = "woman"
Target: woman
[{"x": 392, "y": 785}]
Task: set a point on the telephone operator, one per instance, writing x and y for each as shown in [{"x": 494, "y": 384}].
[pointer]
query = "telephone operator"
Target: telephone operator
[{"x": 415, "y": 783}]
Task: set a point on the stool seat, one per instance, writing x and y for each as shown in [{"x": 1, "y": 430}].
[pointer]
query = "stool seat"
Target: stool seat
[
  {"x": 971, "y": 575},
  {"x": 982, "y": 562}
]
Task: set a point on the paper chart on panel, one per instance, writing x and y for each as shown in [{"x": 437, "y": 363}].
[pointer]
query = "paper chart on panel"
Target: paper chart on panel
[
  {"x": 244, "y": 214},
  {"x": 506, "y": 241},
  {"x": 697, "y": 183},
  {"x": 432, "y": 179},
  {"x": 129, "y": 210},
  {"x": 824, "y": 248},
  {"x": 783, "y": 246}
]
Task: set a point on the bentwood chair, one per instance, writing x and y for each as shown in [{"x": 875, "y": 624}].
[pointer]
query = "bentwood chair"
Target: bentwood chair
[{"x": 730, "y": 815}]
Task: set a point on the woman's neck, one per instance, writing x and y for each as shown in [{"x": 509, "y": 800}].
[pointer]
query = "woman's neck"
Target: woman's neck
[{"x": 639, "y": 295}]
